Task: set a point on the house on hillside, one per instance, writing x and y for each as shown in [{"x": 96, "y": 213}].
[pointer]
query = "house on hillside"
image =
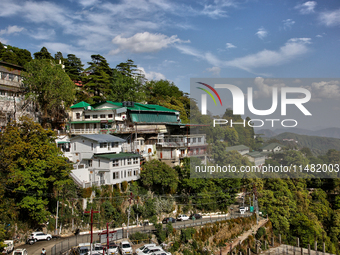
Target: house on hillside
[
  {"x": 258, "y": 158},
  {"x": 242, "y": 149},
  {"x": 99, "y": 160},
  {"x": 12, "y": 103},
  {"x": 272, "y": 147}
]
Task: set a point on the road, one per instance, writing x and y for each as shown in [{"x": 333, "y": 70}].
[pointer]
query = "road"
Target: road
[{"x": 63, "y": 243}]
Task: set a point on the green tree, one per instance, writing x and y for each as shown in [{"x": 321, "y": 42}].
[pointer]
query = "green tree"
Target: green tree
[
  {"x": 43, "y": 54},
  {"x": 32, "y": 168},
  {"x": 74, "y": 67},
  {"x": 97, "y": 83},
  {"x": 159, "y": 177},
  {"x": 47, "y": 85}
]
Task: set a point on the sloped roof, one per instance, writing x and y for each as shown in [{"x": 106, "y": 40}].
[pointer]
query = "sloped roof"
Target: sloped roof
[
  {"x": 271, "y": 146},
  {"x": 256, "y": 154},
  {"x": 237, "y": 148},
  {"x": 145, "y": 107},
  {"x": 101, "y": 138},
  {"x": 81, "y": 104},
  {"x": 153, "y": 117}
]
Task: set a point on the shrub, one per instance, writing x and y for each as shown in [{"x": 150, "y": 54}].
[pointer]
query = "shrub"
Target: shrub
[{"x": 260, "y": 232}]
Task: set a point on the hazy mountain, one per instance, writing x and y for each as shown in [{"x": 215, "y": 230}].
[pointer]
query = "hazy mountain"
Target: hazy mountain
[{"x": 326, "y": 132}]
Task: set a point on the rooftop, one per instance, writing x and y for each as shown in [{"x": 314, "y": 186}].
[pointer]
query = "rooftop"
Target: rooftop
[
  {"x": 101, "y": 138},
  {"x": 237, "y": 148},
  {"x": 118, "y": 156},
  {"x": 271, "y": 146}
]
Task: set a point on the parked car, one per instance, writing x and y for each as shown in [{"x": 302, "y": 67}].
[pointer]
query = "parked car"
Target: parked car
[
  {"x": 150, "y": 250},
  {"x": 242, "y": 210},
  {"x": 144, "y": 247},
  {"x": 19, "y": 252},
  {"x": 182, "y": 217},
  {"x": 125, "y": 248},
  {"x": 9, "y": 246},
  {"x": 83, "y": 250},
  {"x": 161, "y": 253},
  {"x": 98, "y": 248},
  {"x": 168, "y": 219},
  {"x": 30, "y": 240},
  {"x": 38, "y": 236},
  {"x": 113, "y": 249},
  {"x": 196, "y": 215}
]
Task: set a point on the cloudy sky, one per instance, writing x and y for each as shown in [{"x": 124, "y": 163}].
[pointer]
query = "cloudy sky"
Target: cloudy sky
[{"x": 179, "y": 40}]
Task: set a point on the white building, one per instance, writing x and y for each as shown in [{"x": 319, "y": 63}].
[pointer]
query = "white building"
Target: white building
[{"x": 98, "y": 160}]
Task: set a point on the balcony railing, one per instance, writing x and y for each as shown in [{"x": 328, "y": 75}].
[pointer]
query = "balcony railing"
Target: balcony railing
[{"x": 101, "y": 130}]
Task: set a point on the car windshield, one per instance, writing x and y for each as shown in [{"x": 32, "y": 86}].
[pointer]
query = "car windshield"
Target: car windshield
[
  {"x": 98, "y": 248},
  {"x": 17, "y": 253},
  {"x": 84, "y": 250},
  {"x": 126, "y": 245},
  {"x": 113, "y": 246},
  {"x": 146, "y": 250}
]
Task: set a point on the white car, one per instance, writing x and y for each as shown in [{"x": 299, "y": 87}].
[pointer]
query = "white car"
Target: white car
[
  {"x": 150, "y": 250},
  {"x": 113, "y": 249},
  {"x": 38, "y": 236},
  {"x": 144, "y": 247},
  {"x": 19, "y": 252},
  {"x": 182, "y": 217},
  {"x": 98, "y": 248},
  {"x": 125, "y": 248},
  {"x": 161, "y": 253},
  {"x": 9, "y": 246}
]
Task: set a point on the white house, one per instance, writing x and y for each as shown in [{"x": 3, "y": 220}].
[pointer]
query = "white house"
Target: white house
[{"x": 98, "y": 160}]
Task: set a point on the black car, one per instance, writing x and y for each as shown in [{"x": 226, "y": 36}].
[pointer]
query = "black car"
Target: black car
[
  {"x": 196, "y": 215},
  {"x": 168, "y": 219}
]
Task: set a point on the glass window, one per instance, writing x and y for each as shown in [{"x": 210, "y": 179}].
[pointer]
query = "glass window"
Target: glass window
[
  {"x": 103, "y": 145},
  {"x": 78, "y": 115},
  {"x": 199, "y": 139},
  {"x": 115, "y": 162},
  {"x": 194, "y": 140},
  {"x": 135, "y": 160},
  {"x": 110, "y": 116},
  {"x": 87, "y": 116},
  {"x": 114, "y": 145},
  {"x": 102, "y": 116},
  {"x": 129, "y": 161},
  {"x": 115, "y": 175},
  {"x": 90, "y": 162},
  {"x": 98, "y": 162},
  {"x": 94, "y": 116},
  {"x": 129, "y": 172}
]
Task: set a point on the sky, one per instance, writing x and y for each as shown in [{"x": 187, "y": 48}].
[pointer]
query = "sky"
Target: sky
[{"x": 179, "y": 40}]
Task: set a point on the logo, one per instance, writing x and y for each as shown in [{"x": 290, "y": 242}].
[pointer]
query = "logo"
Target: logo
[{"x": 204, "y": 97}]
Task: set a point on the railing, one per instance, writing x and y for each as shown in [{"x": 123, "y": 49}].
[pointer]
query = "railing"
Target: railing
[{"x": 101, "y": 130}]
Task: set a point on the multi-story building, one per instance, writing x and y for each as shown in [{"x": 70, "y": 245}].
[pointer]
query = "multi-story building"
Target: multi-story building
[
  {"x": 172, "y": 148},
  {"x": 99, "y": 160},
  {"x": 12, "y": 103}
]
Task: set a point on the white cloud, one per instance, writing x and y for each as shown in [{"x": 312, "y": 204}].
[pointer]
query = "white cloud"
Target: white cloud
[
  {"x": 11, "y": 30},
  {"x": 319, "y": 36},
  {"x": 323, "y": 89},
  {"x": 43, "y": 34},
  {"x": 152, "y": 75},
  {"x": 230, "y": 46},
  {"x": 265, "y": 87},
  {"x": 292, "y": 49},
  {"x": 307, "y": 7},
  {"x": 288, "y": 23},
  {"x": 330, "y": 18},
  {"x": 144, "y": 42},
  {"x": 262, "y": 33},
  {"x": 87, "y": 3},
  {"x": 3, "y": 41},
  {"x": 215, "y": 70}
]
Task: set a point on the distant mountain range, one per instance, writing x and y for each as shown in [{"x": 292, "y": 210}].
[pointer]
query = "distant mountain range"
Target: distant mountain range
[
  {"x": 326, "y": 132},
  {"x": 318, "y": 145}
]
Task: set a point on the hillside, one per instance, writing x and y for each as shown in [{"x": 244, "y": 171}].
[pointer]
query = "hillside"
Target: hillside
[
  {"x": 318, "y": 145},
  {"x": 326, "y": 132}
]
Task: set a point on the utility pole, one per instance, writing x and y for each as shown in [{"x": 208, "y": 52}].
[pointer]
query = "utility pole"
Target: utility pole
[
  {"x": 91, "y": 212},
  {"x": 127, "y": 230},
  {"x": 56, "y": 220},
  {"x": 255, "y": 203}
]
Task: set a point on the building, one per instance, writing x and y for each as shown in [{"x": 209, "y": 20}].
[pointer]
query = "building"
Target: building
[
  {"x": 121, "y": 118},
  {"x": 12, "y": 103},
  {"x": 258, "y": 158},
  {"x": 272, "y": 147},
  {"x": 99, "y": 160},
  {"x": 172, "y": 148},
  {"x": 242, "y": 149}
]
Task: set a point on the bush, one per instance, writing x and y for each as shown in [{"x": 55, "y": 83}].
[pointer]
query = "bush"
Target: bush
[
  {"x": 124, "y": 186},
  {"x": 138, "y": 237},
  {"x": 260, "y": 232}
]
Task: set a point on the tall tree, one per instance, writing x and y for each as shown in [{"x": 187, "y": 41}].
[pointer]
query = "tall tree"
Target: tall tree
[
  {"x": 73, "y": 67},
  {"x": 32, "y": 169},
  {"x": 99, "y": 78},
  {"x": 50, "y": 87},
  {"x": 43, "y": 54}
]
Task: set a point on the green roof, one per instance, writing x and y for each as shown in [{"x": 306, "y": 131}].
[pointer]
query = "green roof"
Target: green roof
[
  {"x": 144, "y": 107},
  {"x": 256, "y": 154},
  {"x": 63, "y": 142},
  {"x": 271, "y": 146},
  {"x": 81, "y": 104},
  {"x": 237, "y": 148},
  {"x": 117, "y": 156}
]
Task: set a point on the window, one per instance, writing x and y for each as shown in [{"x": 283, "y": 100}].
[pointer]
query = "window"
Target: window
[
  {"x": 125, "y": 174},
  {"x": 2, "y": 93},
  {"x": 98, "y": 162},
  {"x": 199, "y": 139},
  {"x": 74, "y": 146},
  {"x": 114, "y": 145},
  {"x": 87, "y": 116},
  {"x": 135, "y": 172},
  {"x": 91, "y": 146},
  {"x": 115, "y": 162},
  {"x": 94, "y": 125},
  {"x": 78, "y": 115},
  {"x": 119, "y": 115},
  {"x": 110, "y": 116},
  {"x": 129, "y": 173},
  {"x": 90, "y": 162},
  {"x": 115, "y": 175},
  {"x": 102, "y": 116},
  {"x": 129, "y": 161},
  {"x": 103, "y": 145},
  {"x": 135, "y": 160},
  {"x": 193, "y": 140},
  {"x": 95, "y": 116}
]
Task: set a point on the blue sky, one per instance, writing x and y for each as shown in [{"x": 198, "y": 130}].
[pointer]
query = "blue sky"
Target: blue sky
[{"x": 179, "y": 40}]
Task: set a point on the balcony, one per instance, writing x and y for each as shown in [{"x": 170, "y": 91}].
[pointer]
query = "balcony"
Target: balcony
[{"x": 101, "y": 130}]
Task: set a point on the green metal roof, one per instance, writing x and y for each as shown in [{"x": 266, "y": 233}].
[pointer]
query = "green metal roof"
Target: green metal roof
[
  {"x": 150, "y": 117},
  {"x": 256, "y": 154},
  {"x": 62, "y": 142},
  {"x": 237, "y": 148},
  {"x": 81, "y": 104},
  {"x": 144, "y": 107},
  {"x": 117, "y": 156}
]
